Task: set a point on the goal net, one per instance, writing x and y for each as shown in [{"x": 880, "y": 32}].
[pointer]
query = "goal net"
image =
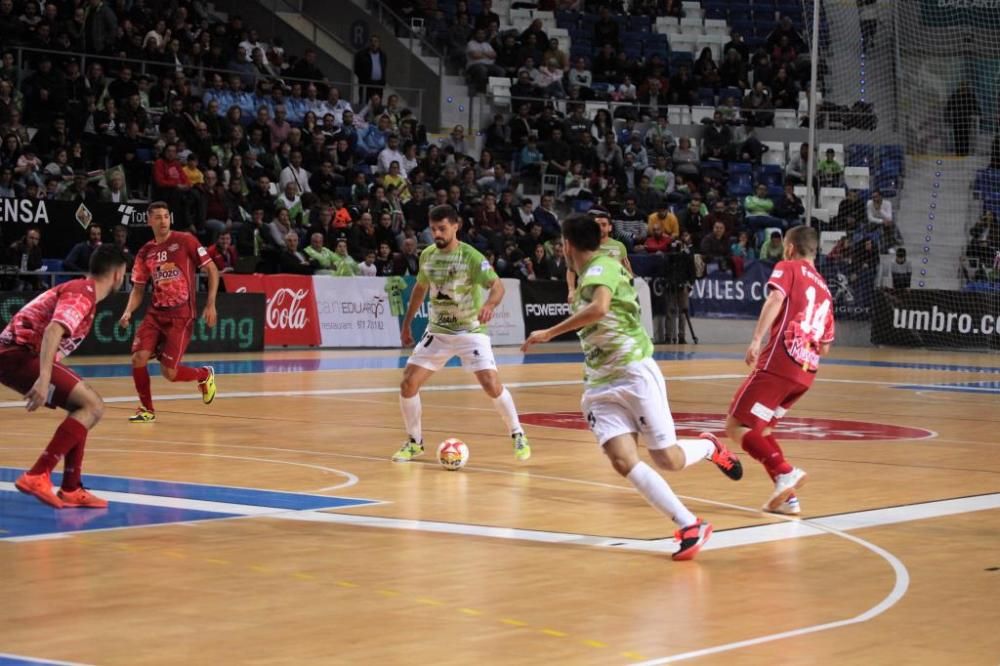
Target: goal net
[{"x": 908, "y": 101}]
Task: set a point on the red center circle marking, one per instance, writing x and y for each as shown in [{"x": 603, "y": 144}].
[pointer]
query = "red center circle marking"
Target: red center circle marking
[{"x": 692, "y": 424}]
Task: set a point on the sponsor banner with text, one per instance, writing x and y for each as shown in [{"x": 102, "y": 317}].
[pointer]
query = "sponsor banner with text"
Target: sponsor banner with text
[
  {"x": 545, "y": 304},
  {"x": 63, "y": 224},
  {"x": 290, "y": 315},
  {"x": 240, "y": 326},
  {"x": 356, "y": 311},
  {"x": 935, "y": 318}
]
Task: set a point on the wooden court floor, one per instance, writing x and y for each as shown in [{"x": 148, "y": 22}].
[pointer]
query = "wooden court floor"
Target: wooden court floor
[{"x": 896, "y": 559}]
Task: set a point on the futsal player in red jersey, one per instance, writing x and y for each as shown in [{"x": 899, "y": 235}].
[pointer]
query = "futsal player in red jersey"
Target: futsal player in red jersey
[
  {"x": 170, "y": 261},
  {"x": 32, "y": 346},
  {"x": 799, "y": 315}
]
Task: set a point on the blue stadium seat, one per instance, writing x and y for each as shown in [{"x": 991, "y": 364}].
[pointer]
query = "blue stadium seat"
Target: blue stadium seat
[
  {"x": 861, "y": 155},
  {"x": 890, "y": 152},
  {"x": 775, "y": 191},
  {"x": 987, "y": 182},
  {"x": 740, "y": 184},
  {"x": 890, "y": 168},
  {"x": 740, "y": 167},
  {"x": 706, "y": 96},
  {"x": 992, "y": 204},
  {"x": 731, "y": 91},
  {"x": 641, "y": 24}
]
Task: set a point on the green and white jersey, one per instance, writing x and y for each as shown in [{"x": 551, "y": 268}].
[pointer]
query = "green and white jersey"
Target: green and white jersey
[
  {"x": 618, "y": 339},
  {"x": 456, "y": 280},
  {"x": 614, "y": 249}
]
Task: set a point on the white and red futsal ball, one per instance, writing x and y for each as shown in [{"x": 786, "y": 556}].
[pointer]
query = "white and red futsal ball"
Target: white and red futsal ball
[{"x": 453, "y": 454}]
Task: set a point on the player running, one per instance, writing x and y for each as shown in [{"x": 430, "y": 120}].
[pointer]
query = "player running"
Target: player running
[
  {"x": 170, "y": 261},
  {"x": 799, "y": 315},
  {"x": 609, "y": 247},
  {"x": 624, "y": 393},
  {"x": 38, "y": 337},
  {"x": 455, "y": 273}
]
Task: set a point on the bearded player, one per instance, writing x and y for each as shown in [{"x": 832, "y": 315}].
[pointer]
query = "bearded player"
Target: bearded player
[
  {"x": 32, "y": 347},
  {"x": 170, "y": 260},
  {"x": 799, "y": 314},
  {"x": 455, "y": 274}
]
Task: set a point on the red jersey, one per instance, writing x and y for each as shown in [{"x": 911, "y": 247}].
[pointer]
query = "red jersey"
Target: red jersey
[
  {"x": 172, "y": 265},
  {"x": 804, "y": 322},
  {"x": 72, "y": 304}
]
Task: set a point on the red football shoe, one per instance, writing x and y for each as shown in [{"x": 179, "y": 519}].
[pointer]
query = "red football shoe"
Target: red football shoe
[
  {"x": 39, "y": 485},
  {"x": 81, "y": 498},
  {"x": 723, "y": 458},
  {"x": 692, "y": 538}
]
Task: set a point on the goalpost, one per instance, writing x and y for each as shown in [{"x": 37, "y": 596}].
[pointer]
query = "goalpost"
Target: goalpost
[{"x": 907, "y": 92}]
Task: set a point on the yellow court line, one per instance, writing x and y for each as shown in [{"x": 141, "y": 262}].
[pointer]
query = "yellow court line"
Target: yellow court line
[{"x": 553, "y": 632}]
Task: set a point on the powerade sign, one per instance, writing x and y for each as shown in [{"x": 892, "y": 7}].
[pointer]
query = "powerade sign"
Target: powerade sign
[
  {"x": 240, "y": 326},
  {"x": 545, "y": 305}
]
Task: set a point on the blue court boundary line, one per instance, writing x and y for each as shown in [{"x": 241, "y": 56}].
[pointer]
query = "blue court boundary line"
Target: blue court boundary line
[
  {"x": 271, "y": 499},
  {"x": 366, "y": 362},
  {"x": 7, "y": 659}
]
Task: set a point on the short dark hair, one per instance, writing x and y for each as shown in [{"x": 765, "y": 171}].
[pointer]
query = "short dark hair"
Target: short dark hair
[
  {"x": 157, "y": 205},
  {"x": 442, "y": 213},
  {"x": 804, "y": 239},
  {"x": 582, "y": 232},
  {"x": 105, "y": 259}
]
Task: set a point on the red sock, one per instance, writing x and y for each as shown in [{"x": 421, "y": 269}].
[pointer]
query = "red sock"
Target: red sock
[
  {"x": 766, "y": 451},
  {"x": 73, "y": 467},
  {"x": 140, "y": 377},
  {"x": 773, "y": 441},
  {"x": 70, "y": 434},
  {"x": 186, "y": 373}
]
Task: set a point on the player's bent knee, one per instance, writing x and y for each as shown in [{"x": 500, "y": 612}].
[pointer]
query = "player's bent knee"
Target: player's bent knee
[
  {"x": 671, "y": 458},
  {"x": 140, "y": 359},
  {"x": 169, "y": 373}
]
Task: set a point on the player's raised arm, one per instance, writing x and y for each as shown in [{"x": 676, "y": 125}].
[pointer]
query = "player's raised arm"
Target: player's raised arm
[{"x": 209, "y": 314}]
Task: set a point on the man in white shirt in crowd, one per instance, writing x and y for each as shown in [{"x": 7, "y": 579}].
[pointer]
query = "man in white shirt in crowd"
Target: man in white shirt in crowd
[
  {"x": 294, "y": 173},
  {"x": 480, "y": 60},
  {"x": 391, "y": 154}
]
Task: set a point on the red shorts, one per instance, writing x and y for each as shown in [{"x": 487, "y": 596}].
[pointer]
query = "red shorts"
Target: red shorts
[
  {"x": 764, "y": 398},
  {"x": 19, "y": 368},
  {"x": 166, "y": 338}
]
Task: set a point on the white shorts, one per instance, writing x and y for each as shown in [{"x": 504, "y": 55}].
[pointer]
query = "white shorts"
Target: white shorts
[
  {"x": 435, "y": 349},
  {"x": 636, "y": 403}
]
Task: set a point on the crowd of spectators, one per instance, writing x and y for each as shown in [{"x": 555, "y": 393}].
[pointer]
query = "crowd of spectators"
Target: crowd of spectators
[{"x": 279, "y": 171}]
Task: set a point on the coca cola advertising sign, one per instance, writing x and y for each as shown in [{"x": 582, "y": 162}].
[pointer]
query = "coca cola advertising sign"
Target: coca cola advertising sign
[{"x": 290, "y": 317}]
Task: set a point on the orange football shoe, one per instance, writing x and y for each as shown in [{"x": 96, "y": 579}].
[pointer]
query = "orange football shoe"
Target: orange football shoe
[
  {"x": 81, "y": 498},
  {"x": 39, "y": 485}
]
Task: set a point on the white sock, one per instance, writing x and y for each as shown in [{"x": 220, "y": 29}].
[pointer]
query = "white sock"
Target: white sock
[
  {"x": 411, "y": 417},
  {"x": 695, "y": 450},
  {"x": 657, "y": 492},
  {"x": 504, "y": 404}
]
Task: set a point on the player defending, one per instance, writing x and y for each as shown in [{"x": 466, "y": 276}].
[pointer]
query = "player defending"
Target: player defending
[
  {"x": 170, "y": 261},
  {"x": 799, "y": 314},
  {"x": 609, "y": 247},
  {"x": 624, "y": 392},
  {"x": 42, "y": 333},
  {"x": 455, "y": 273}
]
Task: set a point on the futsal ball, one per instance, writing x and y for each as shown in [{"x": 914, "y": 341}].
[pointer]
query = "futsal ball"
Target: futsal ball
[{"x": 453, "y": 454}]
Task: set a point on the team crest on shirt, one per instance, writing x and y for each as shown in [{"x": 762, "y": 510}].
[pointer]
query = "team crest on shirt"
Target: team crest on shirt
[
  {"x": 777, "y": 273},
  {"x": 173, "y": 247},
  {"x": 594, "y": 271}
]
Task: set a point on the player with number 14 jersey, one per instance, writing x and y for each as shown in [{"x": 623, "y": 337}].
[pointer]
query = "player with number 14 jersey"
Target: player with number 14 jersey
[{"x": 798, "y": 314}]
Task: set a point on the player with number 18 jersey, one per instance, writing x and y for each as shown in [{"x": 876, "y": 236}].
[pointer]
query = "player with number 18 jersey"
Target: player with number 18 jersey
[{"x": 170, "y": 262}]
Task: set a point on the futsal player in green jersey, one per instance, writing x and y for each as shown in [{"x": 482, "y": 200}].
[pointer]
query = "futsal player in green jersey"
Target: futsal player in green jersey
[
  {"x": 455, "y": 274},
  {"x": 624, "y": 392},
  {"x": 608, "y": 247}
]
